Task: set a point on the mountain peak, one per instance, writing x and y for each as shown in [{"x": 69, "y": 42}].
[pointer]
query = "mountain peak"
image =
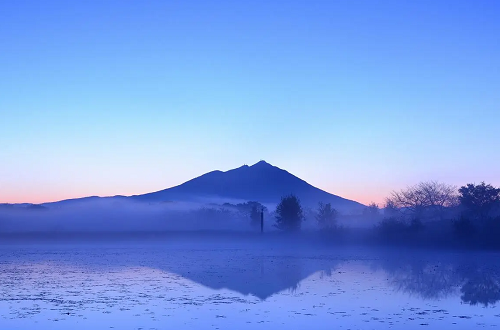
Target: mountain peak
[
  {"x": 262, "y": 163},
  {"x": 261, "y": 182}
]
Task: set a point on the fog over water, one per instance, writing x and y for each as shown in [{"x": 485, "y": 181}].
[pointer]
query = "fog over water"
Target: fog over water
[{"x": 121, "y": 214}]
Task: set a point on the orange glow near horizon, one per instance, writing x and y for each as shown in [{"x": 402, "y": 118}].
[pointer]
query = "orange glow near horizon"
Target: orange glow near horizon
[
  {"x": 47, "y": 196},
  {"x": 55, "y": 196}
]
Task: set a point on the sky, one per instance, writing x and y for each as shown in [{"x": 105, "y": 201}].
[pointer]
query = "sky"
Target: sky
[{"x": 358, "y": 98}]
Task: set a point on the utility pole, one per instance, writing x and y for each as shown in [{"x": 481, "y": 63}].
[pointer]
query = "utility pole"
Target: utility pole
[{"x": 262, "y": 220}]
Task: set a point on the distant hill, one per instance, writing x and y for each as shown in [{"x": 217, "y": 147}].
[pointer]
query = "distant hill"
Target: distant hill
[{"x": 260, "y": 182}]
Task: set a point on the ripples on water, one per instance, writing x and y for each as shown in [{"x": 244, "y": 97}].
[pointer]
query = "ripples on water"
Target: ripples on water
[{"x": 177, "y": 287}]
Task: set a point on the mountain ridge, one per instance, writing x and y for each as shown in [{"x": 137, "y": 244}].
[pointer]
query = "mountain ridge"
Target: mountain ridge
[{"x": 261, "y": 182}]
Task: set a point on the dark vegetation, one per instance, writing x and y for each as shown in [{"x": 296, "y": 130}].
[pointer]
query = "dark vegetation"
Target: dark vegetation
[
  {"x": 436, "y": 213},
  {"x": 289, "y": 214},
  {"x": 326, "y": 217},
  {"x": 428, "y": 214},
  {"x": 249, "y": 210}
]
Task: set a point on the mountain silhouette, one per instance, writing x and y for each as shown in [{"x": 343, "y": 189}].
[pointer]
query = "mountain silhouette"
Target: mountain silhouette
[{"x": 260, "y": 182}]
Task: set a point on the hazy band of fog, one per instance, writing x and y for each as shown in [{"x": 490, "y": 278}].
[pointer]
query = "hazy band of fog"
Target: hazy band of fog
[{"x": 123, "y": 215}]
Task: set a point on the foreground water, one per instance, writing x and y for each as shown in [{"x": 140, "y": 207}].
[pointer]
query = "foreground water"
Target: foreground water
[{"x": 244, "y": 286}]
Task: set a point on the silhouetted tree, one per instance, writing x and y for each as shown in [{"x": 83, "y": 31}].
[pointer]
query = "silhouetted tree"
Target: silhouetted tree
[
  {"x": 248, "y": 210},
  {"x": 426, "y": 199},
  {"x": 392, "y": 228},
  {"x": 479, "y": 200},
  {"x": 255, "y": 216},
  {"x": 373, "y": 208},
  {"x": 372, "y": 211},
  {"x": 390, "y": 209},
  {"x": 326, "y": 216},
  {"x": 289, "y": 214}
]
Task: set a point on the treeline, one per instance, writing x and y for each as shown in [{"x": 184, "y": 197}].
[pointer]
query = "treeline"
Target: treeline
[
  {"x": 427, "y": 213},
  {"x": 471, "y": 212},
  {"x": 430, "y": 212}
]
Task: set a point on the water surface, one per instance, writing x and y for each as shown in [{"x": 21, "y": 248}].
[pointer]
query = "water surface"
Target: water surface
[{"x": 198, "y": 286}]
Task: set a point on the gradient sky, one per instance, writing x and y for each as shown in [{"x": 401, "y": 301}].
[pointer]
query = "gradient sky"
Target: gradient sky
[{"x": 356, "y": 97}]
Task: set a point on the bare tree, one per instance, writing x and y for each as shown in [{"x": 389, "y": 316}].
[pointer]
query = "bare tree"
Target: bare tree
[
  {"x": 425, "y": 200},
  {"x": 326, "y": 216}
]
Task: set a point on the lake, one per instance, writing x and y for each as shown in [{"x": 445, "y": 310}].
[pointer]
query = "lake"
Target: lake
[{"x": 244, "y": 285}]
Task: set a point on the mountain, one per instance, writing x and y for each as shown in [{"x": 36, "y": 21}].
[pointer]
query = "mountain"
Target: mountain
[{"x": 260, "y": 182}]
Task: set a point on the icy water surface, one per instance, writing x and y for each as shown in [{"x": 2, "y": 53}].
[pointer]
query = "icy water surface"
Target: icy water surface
[{"x": 181, "y": 286}]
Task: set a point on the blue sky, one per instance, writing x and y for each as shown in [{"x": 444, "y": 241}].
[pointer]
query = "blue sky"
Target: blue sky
[{"x": 356, "y": 97}]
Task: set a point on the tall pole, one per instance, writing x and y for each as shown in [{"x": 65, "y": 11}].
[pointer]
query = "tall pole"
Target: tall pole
[{"x": 262, "y": 220}]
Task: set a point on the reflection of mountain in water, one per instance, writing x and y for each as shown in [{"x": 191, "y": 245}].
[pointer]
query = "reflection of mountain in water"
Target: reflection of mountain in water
[
  {"x": 434, "y": 278},
  {"x": 249, "y": 272},
  {"x": 255, "y": 274},
  {"x": 265, "y": 271}
]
